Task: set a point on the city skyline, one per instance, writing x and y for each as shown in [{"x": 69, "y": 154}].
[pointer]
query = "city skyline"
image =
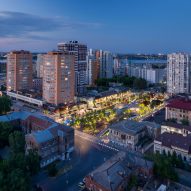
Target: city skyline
[{"x": 125, "y": 27}]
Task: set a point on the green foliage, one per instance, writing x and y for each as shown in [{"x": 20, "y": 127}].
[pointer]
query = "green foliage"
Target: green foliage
[
  {"x": 155, "y": 103},
  {"x": 5, "y": 130},
  {"x": 52, "y": 170},
  {"x": 5, "y": 105},
  {"x": 17, "y": 142},
  {"x": 19, "y": 180},
  {"x": 140, "y": 83},
  {"x": 32, "y": 162},
  {"x": 132, "y": 182},
  {"x": 15, "y": 172},
  {"x": 90, "y": 120},
  {"x": 102, "y": 82},
  {"x": 3, "y": 88},
  {"x": 163, "y": 167},
  {"x": 185, "y": 122},
  {"x": 173, "y": 120}
]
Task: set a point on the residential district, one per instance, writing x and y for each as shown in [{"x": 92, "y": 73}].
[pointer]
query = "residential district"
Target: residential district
[{"x": 82, "y": 119}]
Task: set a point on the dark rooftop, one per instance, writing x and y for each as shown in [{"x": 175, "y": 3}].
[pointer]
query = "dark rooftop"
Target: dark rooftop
[{"x": 175, "y": 140}]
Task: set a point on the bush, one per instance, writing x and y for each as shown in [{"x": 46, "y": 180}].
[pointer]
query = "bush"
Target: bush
[{"x": 52, "y": 170}]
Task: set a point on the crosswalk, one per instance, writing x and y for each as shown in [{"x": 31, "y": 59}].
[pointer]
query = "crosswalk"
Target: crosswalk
[{"x": 94, "y": 140}]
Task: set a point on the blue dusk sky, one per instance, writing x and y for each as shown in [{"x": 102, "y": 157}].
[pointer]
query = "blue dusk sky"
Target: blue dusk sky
[{"x": 120, "y": 26}]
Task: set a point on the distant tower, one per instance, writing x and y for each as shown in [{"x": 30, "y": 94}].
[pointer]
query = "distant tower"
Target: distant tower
[
  {"x": 106, "y": 64},
  {"x": 178, "y": 73},
  {"x": 92, "y": 67},
  {"x": 19, "y": 70},
  {"x": 80, "y": 52}
]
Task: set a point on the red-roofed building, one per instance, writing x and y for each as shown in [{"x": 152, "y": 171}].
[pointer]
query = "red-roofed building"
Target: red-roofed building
[{"x": 179, "y": 108}]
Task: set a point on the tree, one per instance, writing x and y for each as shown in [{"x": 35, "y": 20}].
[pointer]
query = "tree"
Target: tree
[
  {"x": 155, "y": 103},
  {"x": 5, "y": 130},
  {"x": 17, "y": 160},
  {"x": 33, "y": 162},
  {"x": 18, "y": 180},
  {"x": 140, "y": 83},
  {"x": 3, "y": 88},
  {"x": 5, "y": 105},
  {"x": 163, "y": 167},
  {"x": 185, "y": 122},
  {"x": 52, "y": 170},
  {"x": 132, "y": 182},
  {"x": 17, "y": 142}
]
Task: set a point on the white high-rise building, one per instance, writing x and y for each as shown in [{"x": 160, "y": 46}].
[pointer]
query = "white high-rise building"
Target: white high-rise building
[
  {"x": 39, "y": 66},
  {"x": 178, "y": 73},
  {"x": 106, "y": 64}
]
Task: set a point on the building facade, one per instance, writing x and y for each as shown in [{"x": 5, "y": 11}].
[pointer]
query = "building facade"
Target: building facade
[
  {"x": 80, "y": 66},
  {"x": 58, "y": 77},
  {"x": 178, "y": 73},
  {"x": 173, "y": 142},
  {"x": 127, "y": 133},
  {"x": 37, "y": 84},
  {"x": 106, "y": 64},
  {"x": 172, "y": 127},
  {"x": 51, "y": 140},
  {"x": 39, "y": 66},
  {"x": 179, "y": 109},
  {"x": 92, "y": 68},
  {"x": 145, "y": 71},
  {"x": 19, "y": 70},
  {"x": 114, "y": 174}
]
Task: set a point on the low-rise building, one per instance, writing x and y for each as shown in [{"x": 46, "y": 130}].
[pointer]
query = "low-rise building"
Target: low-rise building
[
  {"x": 27, "y": 96},
  {"x": 179, "y": 109},
  {"x": 172, "y": 127},
  {"x": 114, "y": 174},
  {"x": 174, "y": 142},
  {"x": 128, "y": 133},
  {"x": 51, "y": 140}
]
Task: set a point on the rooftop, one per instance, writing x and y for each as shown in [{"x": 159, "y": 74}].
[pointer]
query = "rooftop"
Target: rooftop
[
  {"x": 177, "y": 125},
  {"x": 180, "y": 103},
  {"x": 128, "y": 126},
  {"x": 49, "y": 128},
  {"x": 14, "y": 116},
  {"x": 112, "y": 173},
  {"x": 175, "y": 140}
]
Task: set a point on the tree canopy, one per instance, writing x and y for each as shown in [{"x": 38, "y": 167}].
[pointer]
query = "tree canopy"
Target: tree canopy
[
  {"x": 131, "y": 82},
  {"x": 16, "y": 172},
  {"x": 5, "y": 105}
]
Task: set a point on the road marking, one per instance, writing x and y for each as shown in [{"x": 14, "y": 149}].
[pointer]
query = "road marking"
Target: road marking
[{"x": 98, "y": 143}]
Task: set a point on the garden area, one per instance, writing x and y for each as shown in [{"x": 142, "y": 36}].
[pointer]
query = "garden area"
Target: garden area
[{"x": 93, "y": 122}]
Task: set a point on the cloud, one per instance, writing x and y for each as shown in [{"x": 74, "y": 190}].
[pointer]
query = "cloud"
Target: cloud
[{"x": 24, "y": 25}]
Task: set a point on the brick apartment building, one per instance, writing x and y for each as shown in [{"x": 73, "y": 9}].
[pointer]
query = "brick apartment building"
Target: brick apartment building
[
  {"x": 19, "y": 70},
  {"x": 52, "y": 140},
  {"x": 58, "y": 77}
]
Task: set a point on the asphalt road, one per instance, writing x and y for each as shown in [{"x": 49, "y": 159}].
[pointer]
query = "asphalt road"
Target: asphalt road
[
  {"x": 158, "y": 117},
  {"x": 89, "y": 156}
]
